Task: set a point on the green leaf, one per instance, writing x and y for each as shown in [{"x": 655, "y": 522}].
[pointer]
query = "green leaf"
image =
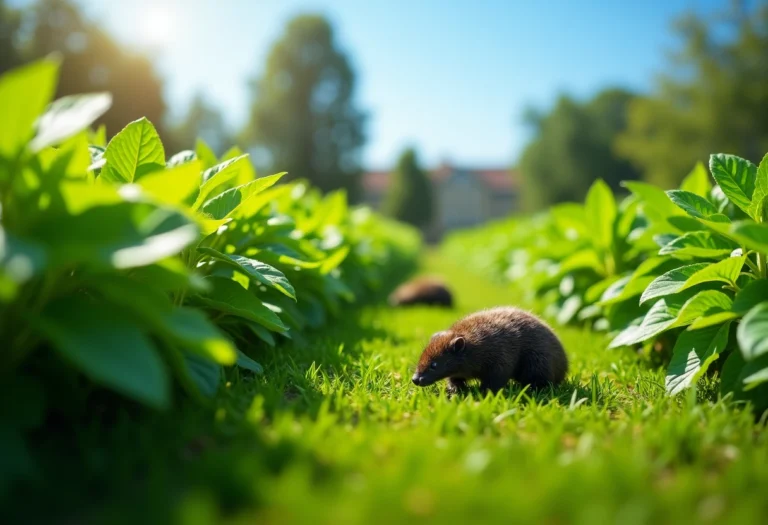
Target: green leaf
[
  {"x": 24, "y": 93},
  {"x": 67, "y": 116},
  {"x": 205, "y": 154},
  {"x": 727, "y": 271},
  {"x": 714, "y": 318},
  {"x": 703, "y": 304},
  {"x": 672, "y": 311},
  {"x": 694, "y": 351},
  {"x": 81, "y": 196},
  {"x": 173, "y": 185},
  {"x": 736, "y": 178},
  {"x": 260, "y": 332},
  {"x": 107, "y": 348},
  {"x": 755, "y": 373},
  {"x": 213, "y": 178},
  {"x": 600, "y": 208},
  {"x": 243, "y": 361},
  {"x": 700, "y": 244},
  {"x": 583, "y": 259},
  {"x": 671, "y": 282},
  {"x": 659, "y": 318},
  {"x": 225, "y": 204},
  {"x": 692, "y": 204},
  {"x": 757, "y": 208},
  {"x": 258, "y": 271},
  {"x": 752, "y": 235},
  {"x": 624, "y": 289},
  {"x": 205, "y": 374},
  {"x": 697, "y": 181},
  {"x": 133, "y": 152},
  {"x": 654, "y": 199},
  {"x": 229, "y": 297},
  {"x": 124, "y": 235},
  {"x": 752, "y": 333},
  {"x": 750, "y": 296}
]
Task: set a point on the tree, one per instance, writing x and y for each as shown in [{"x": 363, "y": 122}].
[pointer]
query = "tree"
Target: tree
[
  {"x": 303, "y": 112},
  {"x": 92, "y": 61},
  {"x": 714, "y": 98},
  {"x": 573, "y": 146},
  {"x": 409, "y": 197},
  {"x": 203, "y": 121}
]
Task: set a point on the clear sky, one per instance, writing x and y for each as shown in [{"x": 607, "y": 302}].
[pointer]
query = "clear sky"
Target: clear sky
[{"x": 449, "y": 76}]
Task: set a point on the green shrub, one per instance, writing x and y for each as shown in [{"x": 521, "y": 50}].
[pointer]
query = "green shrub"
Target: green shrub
[
  {"x": 687, "y": 266},
  {"x": 139, "y": 272}
]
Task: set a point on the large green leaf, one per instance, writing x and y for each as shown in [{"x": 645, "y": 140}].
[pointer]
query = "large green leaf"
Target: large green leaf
[
  {"x": 124, "y": 235},
  {"x": 704, "y": 304},
  {"x": 68, "y": 116},
  {"x": 653, "y": 198},
  {"x": 204, "y": 374},
  {"x": 699, "y": 244},
  {"x": 726, "y": 271},
  {"x": 205, "y": 154},
  {"x": 600, "y": 209},
  {"x": 107, "y": 348},
  {"x": 229, "y": 297},
  {"x": 174, "y": 185},
  {"x": 258, "y": 271},
  {"x": 757, "y": 208},
  {"x": 694, "y": 351},
  {"x": 671, "y": 282},
  {"x": 692, "y": 204},
  {"x": 750, "y": 296},
  {"x": 753, "y": 332},
  {"x": 135, "y": 151},
  {"x": 214, "y": 178},
  {"x": 673, "y": 311},
  {"x": 697, "y": 181},
  {"x": 752, "y": 235},
  {"x": 243, "y": 361},
  {"x": 24, "y": 93},
  {"x": 736, "y": 178},
  {"x": 755, "y": 373},
  {"x": 225, "y": 204}
]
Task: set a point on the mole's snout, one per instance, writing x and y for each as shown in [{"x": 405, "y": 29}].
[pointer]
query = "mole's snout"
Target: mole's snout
[{"x": 416, "y": 379}]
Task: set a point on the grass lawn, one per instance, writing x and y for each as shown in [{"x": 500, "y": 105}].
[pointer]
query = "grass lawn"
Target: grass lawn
[{"x": 334, "y": 432}]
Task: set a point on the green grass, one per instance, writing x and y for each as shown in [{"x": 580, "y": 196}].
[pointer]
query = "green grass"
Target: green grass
[{"x": 334, "y": 432}]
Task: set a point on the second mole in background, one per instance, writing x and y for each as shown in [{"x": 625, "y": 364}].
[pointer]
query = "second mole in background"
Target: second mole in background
[{"x": 422, "y": 291}]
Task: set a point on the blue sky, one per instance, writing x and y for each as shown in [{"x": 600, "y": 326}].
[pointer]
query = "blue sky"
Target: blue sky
[{"x": 449, "y": 76}]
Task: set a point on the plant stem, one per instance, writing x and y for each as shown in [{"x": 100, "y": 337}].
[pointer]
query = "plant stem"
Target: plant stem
[{"x": 761, "y": 265}]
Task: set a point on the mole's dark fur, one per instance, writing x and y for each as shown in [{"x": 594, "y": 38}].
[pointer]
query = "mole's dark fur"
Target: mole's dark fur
[
  {"x": 423, "y": 290},
  {"x": 494, "y": 346}
]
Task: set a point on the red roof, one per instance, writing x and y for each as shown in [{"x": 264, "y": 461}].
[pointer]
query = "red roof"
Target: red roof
[{"x": 500, "y": 179}]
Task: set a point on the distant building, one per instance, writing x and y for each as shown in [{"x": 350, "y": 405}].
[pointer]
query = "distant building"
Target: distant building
[{"x": 464, "y": 196}]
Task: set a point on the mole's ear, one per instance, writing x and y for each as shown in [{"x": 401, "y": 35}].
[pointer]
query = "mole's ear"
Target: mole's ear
[{"x": 458, "y": 344}]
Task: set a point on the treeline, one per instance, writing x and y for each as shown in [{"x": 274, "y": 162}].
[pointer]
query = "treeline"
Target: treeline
[
  {"x": 713, "y": 96},
  {"x": 302, "y": 118}
]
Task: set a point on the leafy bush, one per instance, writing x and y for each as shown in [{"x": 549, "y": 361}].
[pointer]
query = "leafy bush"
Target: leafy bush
[
  {"x": 134, "y": 270},
  {"x": 687, "y": 266}
]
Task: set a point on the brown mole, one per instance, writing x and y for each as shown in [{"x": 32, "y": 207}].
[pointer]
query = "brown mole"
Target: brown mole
[
  {"x": 493, "y": 346},
  {"x": 422, "y": 290}
]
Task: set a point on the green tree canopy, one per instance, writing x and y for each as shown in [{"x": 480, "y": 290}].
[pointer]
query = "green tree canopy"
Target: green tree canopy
[
  {"x": 409, "y": 197},
  {"x": 714, "y": 97},
  {"x": 572, "y": 146},
  {"x": 303, "y": 112}
]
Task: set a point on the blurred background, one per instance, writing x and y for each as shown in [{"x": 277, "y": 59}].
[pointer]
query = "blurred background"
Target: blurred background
[{"x": 445, "y": 114}]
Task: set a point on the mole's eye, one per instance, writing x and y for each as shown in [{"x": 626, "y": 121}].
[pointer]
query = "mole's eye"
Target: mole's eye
[{"x": 433, "y": 365}]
